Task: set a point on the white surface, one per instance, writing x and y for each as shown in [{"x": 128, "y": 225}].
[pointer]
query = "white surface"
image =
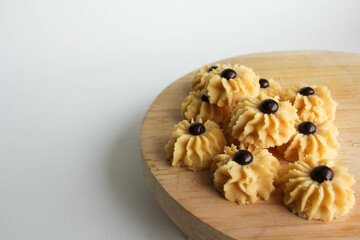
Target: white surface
[{"x": 77, "y": 78}]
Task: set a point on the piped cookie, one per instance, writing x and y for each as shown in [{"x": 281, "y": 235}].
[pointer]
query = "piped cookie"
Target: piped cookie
[{"x": 194, "y": 144}]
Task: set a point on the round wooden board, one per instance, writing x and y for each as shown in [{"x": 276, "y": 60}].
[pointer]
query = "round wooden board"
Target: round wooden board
[{"x": 190, "y": 199}]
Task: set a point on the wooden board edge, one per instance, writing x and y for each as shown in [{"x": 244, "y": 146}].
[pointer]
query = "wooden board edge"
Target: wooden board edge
[{"x": 190, "y": 225}]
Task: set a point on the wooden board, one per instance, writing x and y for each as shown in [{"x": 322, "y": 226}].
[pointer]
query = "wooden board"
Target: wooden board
[{"x": 190, "y": 199}]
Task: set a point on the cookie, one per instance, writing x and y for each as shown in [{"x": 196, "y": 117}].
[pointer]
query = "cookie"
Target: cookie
[
  {"x": 313, "y": 103},
  {"x": 245, "y": 174},
  {"x": 227, "y": 84},
  {"x": 194, "y": 144},
  {"x": 269, "y": 87},
  {"x": 317, "y": 190},
  {"x": 196, "y": 106},
  {"x": 201, "y": 77},
  {"x": 315, "y": 139},
  {"x": 262, "y": 121}
]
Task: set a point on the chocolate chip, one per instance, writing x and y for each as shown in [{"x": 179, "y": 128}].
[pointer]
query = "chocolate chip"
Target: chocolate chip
[
  {"x": 322, "y": 173},
  {"x": 243, "y": 157},
  {"x": 269, "y": 106},
  {"x": 212, "y": 68},
  {"x": 228, "y": 74},
  {"x": 264, "y": 83},
  {"x": 307, "y": 128},
  {"x": 204, "y": 98},
  {"x": 307, "y": 91},
  {"x": 196, "y": 129}
]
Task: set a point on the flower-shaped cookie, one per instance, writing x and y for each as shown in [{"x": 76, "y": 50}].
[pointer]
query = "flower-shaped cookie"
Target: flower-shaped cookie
[
  {"x": 196, "y": 106},
  {"x": 316, "y": 139},
  {"x": 227, "y": 84},
  {"x": 313, "y": 103},
  {"x": 201, "y": 77},
  {"x": 269, "y": 87},
  {"x": 194, "y": 145},
  {"x": 264, "y": 122},
  {"x": 316, "y": 190},
  {"x": 246, "y": 174}
]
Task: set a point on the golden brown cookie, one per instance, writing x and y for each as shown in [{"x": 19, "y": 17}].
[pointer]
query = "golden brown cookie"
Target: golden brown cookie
[
  {"x": 317, "y": 190},
  {"x": 227, "y": 84},
  {"x": 270, "y": 87},
  {"x": 315, "y": 139},
  {"x": 245, "y": 174},
  {"x": 313, "y": 103},
  {"x": 262, "y": 121},
  {"x": 196, "y": 106},
  {"x": 201, "y": 77},
  {"x": 194, "y": 145}
]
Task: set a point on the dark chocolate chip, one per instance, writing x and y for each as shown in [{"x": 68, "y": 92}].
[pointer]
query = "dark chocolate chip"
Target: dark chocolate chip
[
  {"x": 212, "y": 68},
  {"x": 204, "y": 98},
  {"x": 322, "y": 173},
  {"x": 307, "y": 91},
  {"x": 269, "y": 106},
  {"x": 307, "y": 128},
  {"x": 228, "y": 74},
  {"x": 196, "y": 129},
  {"x": 243, "y": 157},
  {"x": 264, "y": 83}
]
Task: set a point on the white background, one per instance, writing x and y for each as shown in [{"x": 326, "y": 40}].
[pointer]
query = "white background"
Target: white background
[{"x": 76, "y": 79}]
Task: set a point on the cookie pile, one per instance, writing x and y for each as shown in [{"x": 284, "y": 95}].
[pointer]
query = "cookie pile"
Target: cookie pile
[{"x": 231, "y": 119}]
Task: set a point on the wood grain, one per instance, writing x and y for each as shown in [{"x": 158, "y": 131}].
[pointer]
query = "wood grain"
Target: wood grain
[{"x": 190, "y": 199}]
